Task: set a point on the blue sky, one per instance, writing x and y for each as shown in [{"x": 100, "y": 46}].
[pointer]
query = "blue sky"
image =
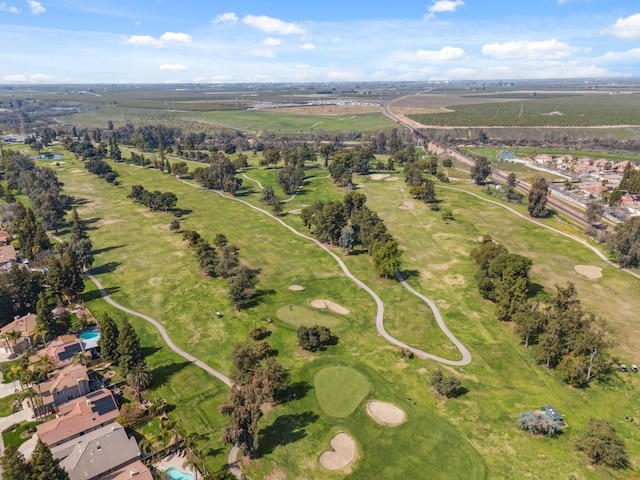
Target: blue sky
[{"x": 165, "y": 41}]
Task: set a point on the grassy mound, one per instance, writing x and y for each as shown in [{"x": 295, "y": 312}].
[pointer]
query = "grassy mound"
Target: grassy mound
[
  {"x": 301, "y": 315},
  {"x": 339, "y": 390}
]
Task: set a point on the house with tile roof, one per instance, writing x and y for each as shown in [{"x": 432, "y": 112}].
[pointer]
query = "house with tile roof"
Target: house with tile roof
[{"x": 26, "y": 325}]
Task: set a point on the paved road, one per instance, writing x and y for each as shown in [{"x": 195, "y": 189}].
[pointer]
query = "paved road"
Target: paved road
[{"x": 25, "y": 414}]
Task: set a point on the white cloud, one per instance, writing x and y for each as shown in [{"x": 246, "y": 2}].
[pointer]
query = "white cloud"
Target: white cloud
[
  {"x": 342, "y": 75},
  {"x": 176, "y": 37},
  {"x": 143, "y": 41},
  {"x": 272, "y": 25},
  {"x": 149, "y": 41},
  {"x": 461, "y": 73},
  {"x": 304, "y": 76},
  {"x": 626, "y": 28},
  {"x": 221, "y": 78},
  {"x": 630, "y": 56},
  {"x": 271, "y": 42},
  {"x": 36, "y": 8},
  {"x": 173, "y": 67},
  {"x": 308, "y": 46},
  {"x": 8, "y": 8},
  {"x": 229, "y": 18},
  {"x": 544, "y": 49},
  {"x": 259, "y": 52},
  {"x": 445, "y": 54},
  {"x": 32, "y": 78},
  {"x": 441, "y": 6}
]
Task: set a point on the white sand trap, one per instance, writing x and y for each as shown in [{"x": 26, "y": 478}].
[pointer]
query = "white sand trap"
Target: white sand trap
[
  {"x": 379, "y": 176},
  {"x": 391, "y": 179},
  {"x": 296, "y": 288},
  {"x": 386, "y": 413},
  {"x": 407, "y": 205},
  {"x": 344, "y": 451},
  {"x": 589, "y": 271},
  {"x": 333, "y": 306}
]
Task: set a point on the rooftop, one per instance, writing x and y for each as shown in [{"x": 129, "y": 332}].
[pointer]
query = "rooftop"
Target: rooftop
[{"x": 24, "y": 325}]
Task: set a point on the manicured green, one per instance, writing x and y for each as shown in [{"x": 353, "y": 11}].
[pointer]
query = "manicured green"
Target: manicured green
[
  {"x": 302, "y": 315},
  {"x": 339, "y": 390}
]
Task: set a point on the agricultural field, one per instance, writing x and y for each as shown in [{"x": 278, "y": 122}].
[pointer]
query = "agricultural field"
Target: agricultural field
[
  {"x": 572, "y": 110},
  {"x": 147, "y": 267}
]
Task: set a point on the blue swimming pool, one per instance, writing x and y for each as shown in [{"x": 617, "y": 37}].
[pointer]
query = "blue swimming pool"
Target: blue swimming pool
[
  {"x": 177, "y": 474},
  {"x": 90, "y": 335}
]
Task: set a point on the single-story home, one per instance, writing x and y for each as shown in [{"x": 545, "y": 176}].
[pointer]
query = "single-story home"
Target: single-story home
[
  {"x": 61, "y": 351},
  {"x": 97, "y": 453}
]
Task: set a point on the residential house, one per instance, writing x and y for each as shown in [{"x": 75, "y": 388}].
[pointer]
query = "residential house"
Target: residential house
[
  {"x": 61, "y": 351},
  {"x": 97, "y": 453},
  {"x": 79, "y": 417},
  {"x": 63, "y": 386},
  {"x": 5, "y": 238},
  {"x": 26, "y": 325},
  {"x": 8, "y": 257},
  {"x": 542, "y": 158}
]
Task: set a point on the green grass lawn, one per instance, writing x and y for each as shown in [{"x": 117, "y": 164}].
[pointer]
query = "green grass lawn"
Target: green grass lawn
[
  {"x": 339, "y": 390},
  {"x": 6, "y": 407},
  {"x": 302, "y": 315},
  {"x": 150, "y": 269},
  {"x": 18, "y": 436}
]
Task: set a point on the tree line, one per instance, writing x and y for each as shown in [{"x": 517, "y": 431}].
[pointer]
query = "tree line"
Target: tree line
[
  {"x": 223, "y": 260},
  {"x": 563, "y": 334},
  {"x": 155, "y": 200},
  {"x": 350, "y": 222}
]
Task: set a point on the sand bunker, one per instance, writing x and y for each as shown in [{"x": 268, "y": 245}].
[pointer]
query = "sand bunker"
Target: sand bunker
[
  {"x": 344, "y": 451},
  {"x": 386, "y": 413},
  {"x": 407, "y": 205},
  {"x": 296, "y": 288},
  {"x": 391, "y": 179},
  {"x": 589, "y": 271},
  {"x": 379, "y": 176},
  {"x": 333, "y": 306},
  {"x": 295, "y": 211}
]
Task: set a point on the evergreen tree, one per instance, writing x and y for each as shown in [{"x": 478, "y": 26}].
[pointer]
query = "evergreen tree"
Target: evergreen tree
[
  {"x": 108, "y": 342},
  {"x": 481, "y": 170},
  {"x": 44, "y": 466},
  {"x": 129, "y": 349},
  {"x": 538, "y": 196},
  {"x": 13, "y": 465},
  {"x": 44, "y": 317}
]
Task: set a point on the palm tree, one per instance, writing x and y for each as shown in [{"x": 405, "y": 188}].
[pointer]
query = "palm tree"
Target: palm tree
[
  {"x": 139, "y": 377},
  {"x": 12, "y": 337},
  {"x": 42, "y": 332},
  {"x": 16, "y": 373}
]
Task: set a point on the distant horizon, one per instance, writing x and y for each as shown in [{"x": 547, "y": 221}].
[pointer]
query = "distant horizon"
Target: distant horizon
[{"x": 248, "y": 42}]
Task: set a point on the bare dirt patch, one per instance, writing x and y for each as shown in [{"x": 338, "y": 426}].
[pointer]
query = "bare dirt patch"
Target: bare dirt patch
[
  {"x": 333, "y": 306},
  {"x": 379, "y": 176},
  {"x": 391, "y": 179},
  {"x": 296, "y": 288},
  {"x": 407, "y": 205},
  {"x": 295, "y": 211},
  {"x": 343, "y": 453},
  {"x": 589, "y": 271},
  {"x": 386, "y": 413}
]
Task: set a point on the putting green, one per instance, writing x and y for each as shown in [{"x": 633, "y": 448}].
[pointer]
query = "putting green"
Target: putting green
[
  {"x": 300, "y": 315},
  {"x": 339, "y": 390}
]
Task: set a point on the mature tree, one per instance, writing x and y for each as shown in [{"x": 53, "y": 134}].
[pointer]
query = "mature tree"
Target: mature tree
[
  {"x": 241, "y": 287},
  {"x": 43, "y": 466},
  {"x": 314, "y": 338},
  {"x": 139, "y": 377},
  {"x": 595, "y": 210},
  {"x": 108, "y": 342},
  {"x": 258, "y": 332},
  {"x": 44, "y": 317},
  {"x": 347, "y": 239},
  {"x": 425, "y": 192},
  {"x": 13, "y": 465},
  {"x": 538, "y": 423},
  {"x": 386, "y": 257},
  {"x": 538, "y": 196},
  {"x": 615, "y": 197},
  {"x": 290, "y": 178},
  {"x": 481, "y": 170},
  {"x": 448, "y": 386},
  {"x": 601, "y": 444},
  {"x": 129, "y": 349},
  {"x": 625, "y": 243}
]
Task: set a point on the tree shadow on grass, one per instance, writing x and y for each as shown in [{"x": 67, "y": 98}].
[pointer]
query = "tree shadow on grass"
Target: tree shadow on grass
[
  {"x": 407, "y": 274},
  {"x": 163, "y": 373},
  {"x": 181, "y": 212},
  {"x": 95, "y": 294},
  {"x": 108, "y": 249},
  {"x": 146, "y": 351},
  {"x": 285, "y": 430},
  {"x": 105, "y": 268},
  {"x": 535, "y": 288},
  {"x": 295, "y": 391}
]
